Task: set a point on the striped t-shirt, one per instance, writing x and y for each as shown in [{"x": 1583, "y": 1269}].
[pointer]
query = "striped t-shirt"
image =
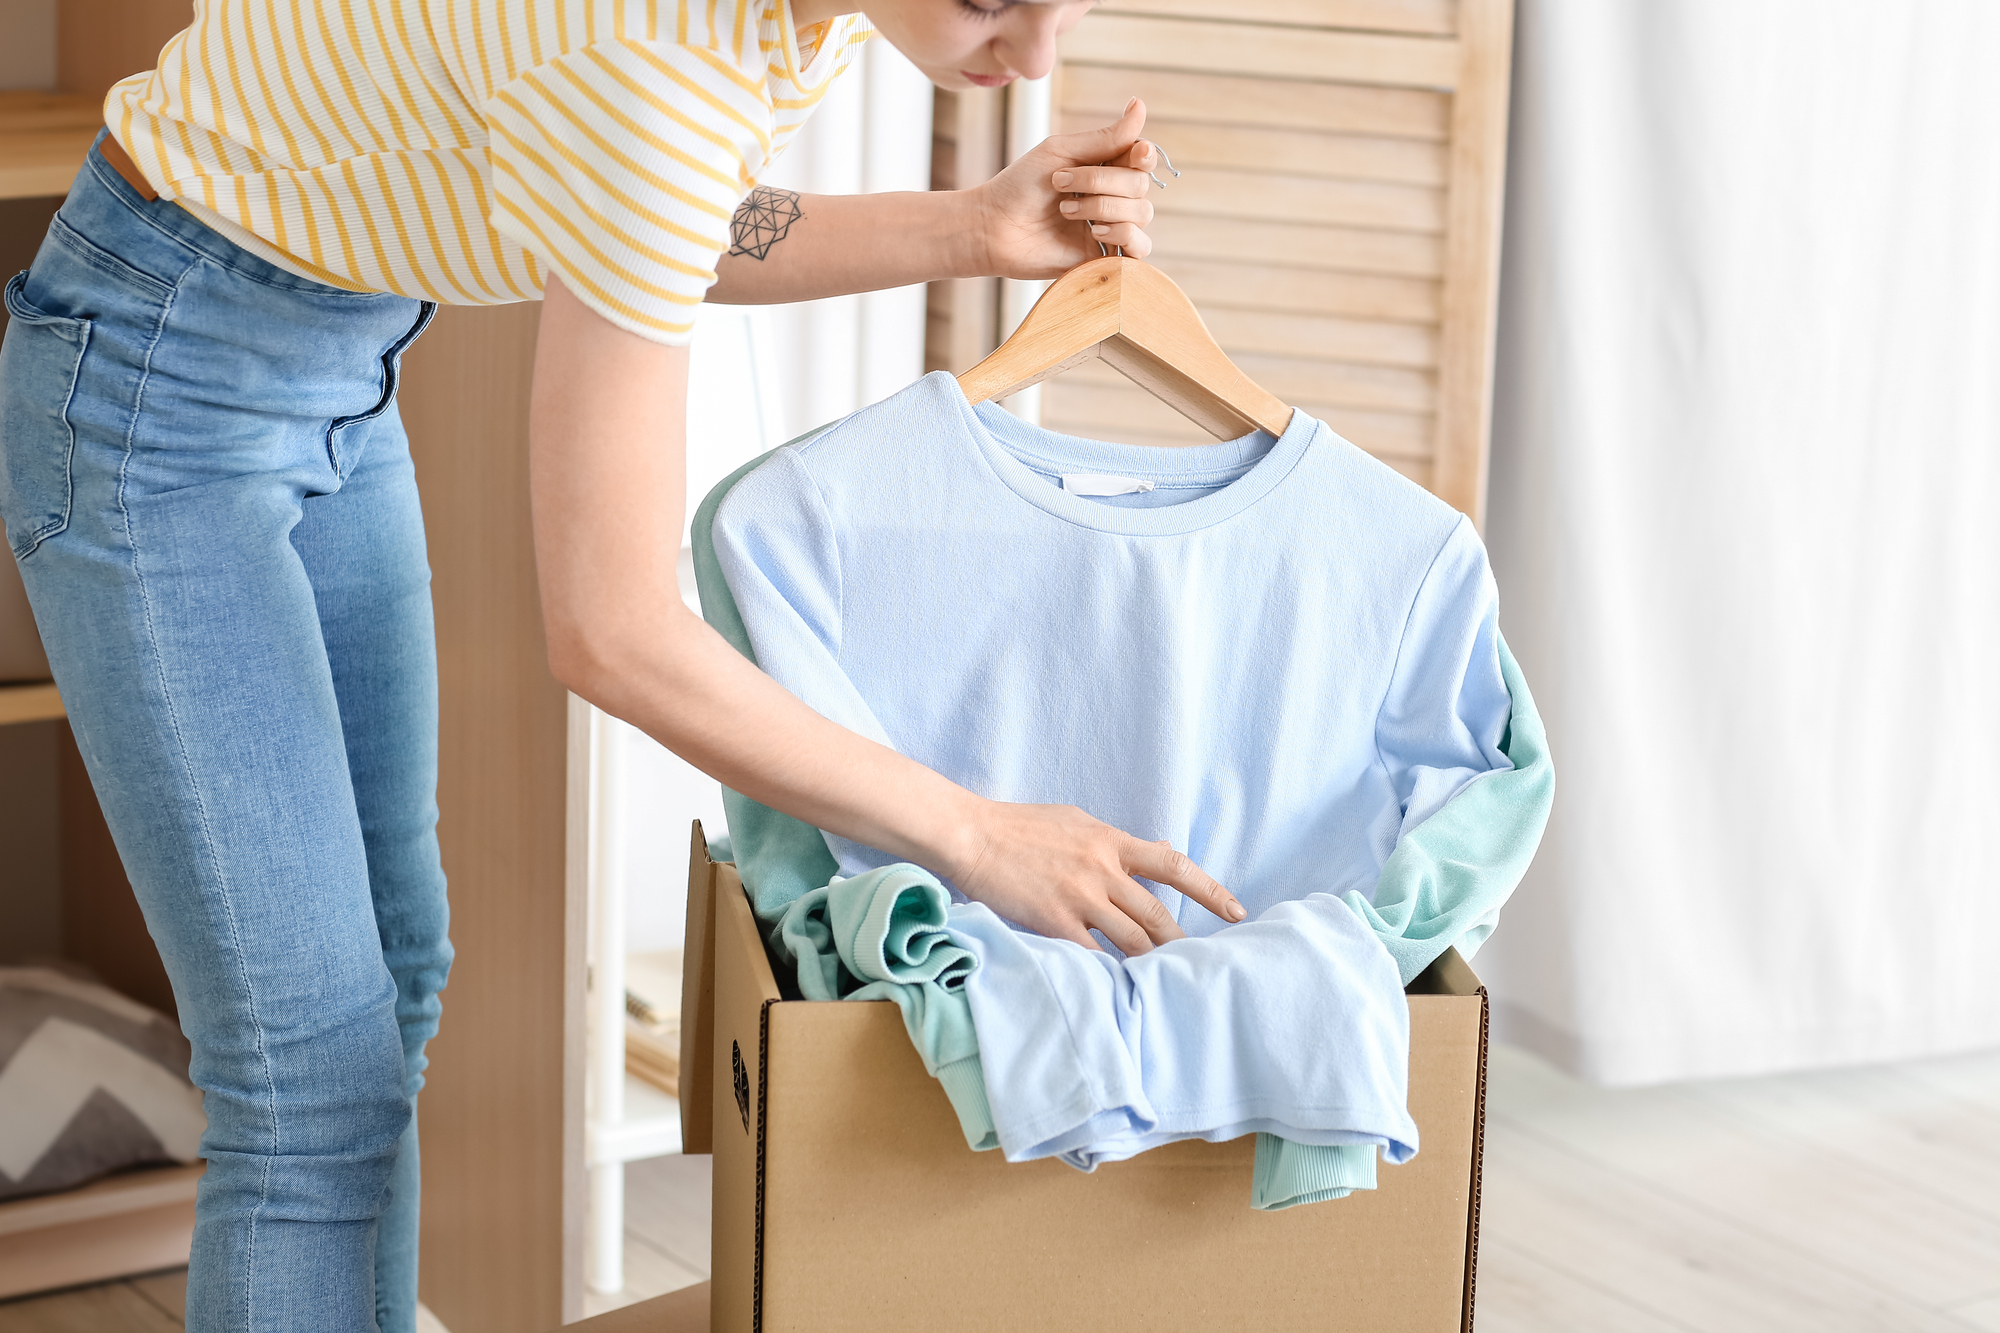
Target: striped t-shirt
[{"x": 459, "y": 150}]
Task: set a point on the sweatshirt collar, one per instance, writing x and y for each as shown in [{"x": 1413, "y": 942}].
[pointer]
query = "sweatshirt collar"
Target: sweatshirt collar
[{"x": 1001, "y": 440}]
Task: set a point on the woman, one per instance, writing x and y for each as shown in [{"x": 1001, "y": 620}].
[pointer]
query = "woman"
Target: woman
[{"x": 205, "y": 482}]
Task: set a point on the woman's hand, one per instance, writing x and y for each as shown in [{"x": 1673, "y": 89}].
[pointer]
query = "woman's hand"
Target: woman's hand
[
  {"x": 1034, "y": 223},
  {"x": 1057, "y": 871}
]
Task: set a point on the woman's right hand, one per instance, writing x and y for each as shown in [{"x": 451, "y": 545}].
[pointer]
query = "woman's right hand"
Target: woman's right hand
[{"x": 1061, "y": 873}]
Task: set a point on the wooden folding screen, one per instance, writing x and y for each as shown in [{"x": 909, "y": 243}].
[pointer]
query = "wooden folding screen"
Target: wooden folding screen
[
  {"x": 1338, "y": 224},
  {"x": 968, "y": 132}
]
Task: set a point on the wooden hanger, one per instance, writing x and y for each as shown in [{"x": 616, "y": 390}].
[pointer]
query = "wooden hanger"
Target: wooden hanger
[{"x": 1133, "y": 316}]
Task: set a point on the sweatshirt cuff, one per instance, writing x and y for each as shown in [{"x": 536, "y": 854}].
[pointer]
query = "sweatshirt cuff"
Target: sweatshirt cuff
[
  {"x": 1289, "y": 1174},
  {"x": 965, "y": 1083}
]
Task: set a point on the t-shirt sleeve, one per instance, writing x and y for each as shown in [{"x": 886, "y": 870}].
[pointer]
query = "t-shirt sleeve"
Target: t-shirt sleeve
[
  {"x": 618, "y": 165},
  {"x": 1442, "y": 719},
  {"x": 775, "y": 543}
]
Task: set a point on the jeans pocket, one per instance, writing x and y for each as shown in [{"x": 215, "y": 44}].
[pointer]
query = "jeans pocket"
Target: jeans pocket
[
  {"x": 39, "y": 361},
  {"x": 392, "y": 366}
]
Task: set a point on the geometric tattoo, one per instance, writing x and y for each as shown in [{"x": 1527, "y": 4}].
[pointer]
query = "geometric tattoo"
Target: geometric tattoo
[{"x": 762, "y": 220}]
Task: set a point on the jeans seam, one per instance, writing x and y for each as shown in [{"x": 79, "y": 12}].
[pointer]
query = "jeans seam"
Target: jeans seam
[
  {"x": 391, "y": 362},
  {"x": 97, "y": 257},
  {"x": 194, "y": 787},
  {"x": 32, "y": 542}
]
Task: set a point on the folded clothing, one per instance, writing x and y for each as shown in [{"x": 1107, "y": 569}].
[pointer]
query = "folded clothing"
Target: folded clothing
[
  {"x": 1290, "y": 1024},
  {"x": 891, "y": 934},
  {"x": 880, "y": 936}
]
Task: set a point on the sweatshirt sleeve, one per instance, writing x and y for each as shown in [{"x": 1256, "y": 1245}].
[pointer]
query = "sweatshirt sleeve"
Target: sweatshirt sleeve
[
  {"x": 1440, "y": 722},
  {"x": 776, "y": 546},
  {"x": 1465, "y": 751}
]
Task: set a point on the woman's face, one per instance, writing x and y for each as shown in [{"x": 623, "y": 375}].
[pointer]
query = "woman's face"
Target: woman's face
[{"x": 975, "y": 43}]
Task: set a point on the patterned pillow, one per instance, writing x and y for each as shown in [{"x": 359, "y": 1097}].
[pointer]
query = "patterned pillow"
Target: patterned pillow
[{"x": 89, "y": 1082}]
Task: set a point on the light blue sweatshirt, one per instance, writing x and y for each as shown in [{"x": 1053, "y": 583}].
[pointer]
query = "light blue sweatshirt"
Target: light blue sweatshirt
[
  {"x": 924, "y": 472},
  {"x": 1279, "y": 675}
]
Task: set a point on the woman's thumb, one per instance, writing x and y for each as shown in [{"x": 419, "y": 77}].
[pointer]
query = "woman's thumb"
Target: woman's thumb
[{"x": 1103, "y": 145}]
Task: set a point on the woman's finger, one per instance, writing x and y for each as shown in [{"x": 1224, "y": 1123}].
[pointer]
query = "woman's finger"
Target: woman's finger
[
  {"x": 1122, "y": 181},
  {"x": 1079, "y": 935},
  {"x": 1129, "y": 238},
  {"x": 1123, "y": 931},
  {"x": 1163, "y": 863},
  {"x": 1147, "y": 912},
  {"x": 1099, "y": 208}
]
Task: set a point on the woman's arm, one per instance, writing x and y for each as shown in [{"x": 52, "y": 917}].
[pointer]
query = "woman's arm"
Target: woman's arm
[
  {"x": 1021, "y": 224},
  {"x": 608, "y": 475}
]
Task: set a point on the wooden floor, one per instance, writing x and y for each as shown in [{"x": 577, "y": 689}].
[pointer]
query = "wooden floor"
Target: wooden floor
[
  {"x": 1851, "y": 1200},
  {"x": 136, "y": 1305},
  {"x": 149, "y": 1304},
  {"x": 1856, "y": 1200}
]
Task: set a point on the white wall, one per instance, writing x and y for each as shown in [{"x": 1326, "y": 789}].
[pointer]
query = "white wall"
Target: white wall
[{"x": 761, "y": 375}]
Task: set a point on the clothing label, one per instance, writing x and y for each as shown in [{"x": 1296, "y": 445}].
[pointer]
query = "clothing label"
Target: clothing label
[{"x": 1098, "y": 483}]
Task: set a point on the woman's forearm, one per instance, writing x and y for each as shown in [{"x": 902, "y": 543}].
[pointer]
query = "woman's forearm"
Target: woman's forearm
[
  {"x": 799, "y": 247},
  {"x": 1053, "y": 207},
  {"x": 607, "y": 471}
]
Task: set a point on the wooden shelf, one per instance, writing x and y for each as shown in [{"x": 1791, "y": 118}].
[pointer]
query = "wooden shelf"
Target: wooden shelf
[
  {"x": 29, "y": 703},
  {"x": 131, "y": 1223},
  {"x": 43, "y": 139}
]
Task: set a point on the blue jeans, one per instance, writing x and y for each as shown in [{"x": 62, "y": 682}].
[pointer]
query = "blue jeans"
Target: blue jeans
[{"x": 208, "y": 489}]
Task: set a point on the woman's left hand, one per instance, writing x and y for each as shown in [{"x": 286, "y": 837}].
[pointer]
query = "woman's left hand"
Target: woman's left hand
[{"x": 1035, "y": 223}]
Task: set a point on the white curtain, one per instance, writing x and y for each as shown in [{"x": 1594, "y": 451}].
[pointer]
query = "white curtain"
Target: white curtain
[{"x": 1746, "y": 471}]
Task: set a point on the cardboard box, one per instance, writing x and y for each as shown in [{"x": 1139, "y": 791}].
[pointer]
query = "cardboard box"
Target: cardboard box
[{"x": 846, "y": 1199}]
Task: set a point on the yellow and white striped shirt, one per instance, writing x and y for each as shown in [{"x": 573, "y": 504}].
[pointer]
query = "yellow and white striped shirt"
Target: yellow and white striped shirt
[{"x": 458, "y": 150}]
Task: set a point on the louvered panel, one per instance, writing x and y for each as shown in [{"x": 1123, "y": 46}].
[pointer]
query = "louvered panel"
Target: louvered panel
[
  {"x": 1225, "y": 46},
  {"x": 1303, "y": 246},
  {"x": 1295, "y": 152},
  {"x": 960, "y": 325},
  {"x": 1365, "y": 388},
  {"x": 1265, "y": 287},
  {"x": 1101, "y": 410},
  {"x": 1296, "y": 379},
  {"x": 1324, "y": 338},
  {"x": 1416, "y": 469},
  {"x": 1268, "y": 196},
  {"x": 1222, "y": 99},
  {"x": 1435, "y": 17},
  {"x": 1077, "y": 408},
  {"x": 937, "y": 328}
]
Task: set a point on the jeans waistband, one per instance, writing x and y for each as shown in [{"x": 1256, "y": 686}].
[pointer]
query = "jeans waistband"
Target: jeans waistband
[{"x": 162, "y": 239}]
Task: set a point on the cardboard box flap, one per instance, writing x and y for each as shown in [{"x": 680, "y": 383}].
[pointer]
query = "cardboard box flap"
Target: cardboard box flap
[
  {"x": 1448, "y": 974},
  {"x": 698, "y": 1000}
]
